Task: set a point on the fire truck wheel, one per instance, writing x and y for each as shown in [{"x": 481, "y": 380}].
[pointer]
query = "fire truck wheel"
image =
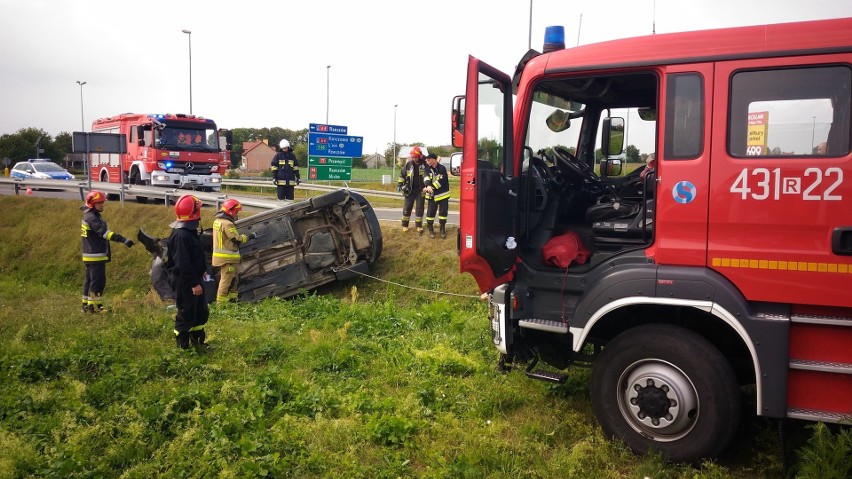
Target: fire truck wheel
[{"x": 665, "y": 388}]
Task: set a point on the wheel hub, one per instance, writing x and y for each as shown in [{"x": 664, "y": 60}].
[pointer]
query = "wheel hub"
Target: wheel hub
[{"x": 658, "y": 400}]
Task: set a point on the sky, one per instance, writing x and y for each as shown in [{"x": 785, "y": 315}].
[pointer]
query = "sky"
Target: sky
[{"x": 387, "y": 70}]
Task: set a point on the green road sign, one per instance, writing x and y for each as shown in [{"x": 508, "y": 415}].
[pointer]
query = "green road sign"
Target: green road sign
[
  {"x": 329, "y": 161},
  {"x": 317, "y": 172}
]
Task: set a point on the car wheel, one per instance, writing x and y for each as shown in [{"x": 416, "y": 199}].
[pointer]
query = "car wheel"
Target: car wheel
[{"x": 665, "y": 388}]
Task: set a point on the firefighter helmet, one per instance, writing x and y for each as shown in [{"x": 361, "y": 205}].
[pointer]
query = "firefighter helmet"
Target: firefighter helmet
[
  {"x": 284, "y": 144},
  {"x": 188, "y": 208},
  {"x": 415, "y": 151},
  {"x": 231, "y": 207},
  {"x": 94, "y": 197}
]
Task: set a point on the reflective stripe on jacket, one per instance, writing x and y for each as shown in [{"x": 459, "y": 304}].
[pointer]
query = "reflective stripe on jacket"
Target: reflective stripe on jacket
[
  {"x": 226, "y": 240},
  {"x": 437, "y": 178},
  {"x": 95, "y": 237}
]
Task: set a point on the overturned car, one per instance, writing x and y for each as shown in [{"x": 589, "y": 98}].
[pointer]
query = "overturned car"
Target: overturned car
[{"x": 298, "y": 247}]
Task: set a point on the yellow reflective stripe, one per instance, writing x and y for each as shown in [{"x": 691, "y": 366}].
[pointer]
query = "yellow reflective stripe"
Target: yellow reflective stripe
[
  {"x": 200, "y": 327},
  {"x": 225, "y": 254},
  {"x": 108, "y": 235},
  {"x": 94, "y": 257},
  {"x": 442, "y": 196}
]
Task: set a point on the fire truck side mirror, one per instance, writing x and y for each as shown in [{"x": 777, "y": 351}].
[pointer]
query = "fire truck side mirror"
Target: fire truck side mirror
[
  {"x": 455, "y": 163},
  {"x": 612, "y": 137},
  {"x": 140, "y": 134},
  {"x": 457, "y": 120},
  {"x": 610, "y": 167}
]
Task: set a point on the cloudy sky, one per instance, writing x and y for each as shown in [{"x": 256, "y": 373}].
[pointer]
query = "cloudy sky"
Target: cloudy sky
[{"x": 265, "y": 63}]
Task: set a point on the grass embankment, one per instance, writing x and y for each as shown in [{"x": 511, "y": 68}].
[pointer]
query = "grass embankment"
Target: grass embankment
[{"x": 364, "y": 379}]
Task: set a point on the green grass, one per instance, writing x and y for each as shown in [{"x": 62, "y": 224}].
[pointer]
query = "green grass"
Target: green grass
[{"x": 364, "y": 379}]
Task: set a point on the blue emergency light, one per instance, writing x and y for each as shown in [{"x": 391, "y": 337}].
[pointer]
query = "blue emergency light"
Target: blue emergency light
[{"x": 554, "y": 38}]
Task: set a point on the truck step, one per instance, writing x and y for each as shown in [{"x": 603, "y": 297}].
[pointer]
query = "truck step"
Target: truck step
[
  {"x": 824, "y": 366},
  {"x": 815, "y": 415},
  {"x": 547, "y": 376},
  {"x": 544, "y": 325}
]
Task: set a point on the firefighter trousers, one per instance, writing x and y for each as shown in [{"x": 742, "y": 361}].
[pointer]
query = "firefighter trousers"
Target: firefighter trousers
[
  {"x": 192, "y": 314},
  {"x": 94, "y": 284},
  {"x": 414, "y": 201},
  {"x": 228, "y": 281}
]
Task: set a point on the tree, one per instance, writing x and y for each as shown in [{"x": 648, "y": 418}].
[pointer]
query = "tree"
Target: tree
[
  {"x": 632, "y": 154},
  {"x": 22, "y": 145}
]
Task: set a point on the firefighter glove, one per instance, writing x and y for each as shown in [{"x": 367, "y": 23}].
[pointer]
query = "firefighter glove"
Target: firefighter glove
[{"x": 129, "y": 243}]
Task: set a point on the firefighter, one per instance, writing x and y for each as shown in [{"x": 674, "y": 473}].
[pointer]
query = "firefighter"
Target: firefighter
[
  {"x": 285, "y": 171},
  {"x": 410, "y": 183},
  {"x": 96, "y": 251},
  {"x": 226, "y": 249},
  {"x": 187, "y": 267},
  {"x": 437, "y": 192}
]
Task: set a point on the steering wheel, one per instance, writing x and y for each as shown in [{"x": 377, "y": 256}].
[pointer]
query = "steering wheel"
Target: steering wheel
[
  {"x": 574, "y": 167},
  {"x": 543, "y": 180}
]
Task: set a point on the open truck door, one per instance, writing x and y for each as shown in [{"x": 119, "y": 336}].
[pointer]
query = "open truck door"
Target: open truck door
[{"x": 489, "y": 187}]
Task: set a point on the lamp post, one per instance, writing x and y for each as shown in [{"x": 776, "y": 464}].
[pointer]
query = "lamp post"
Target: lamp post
[
  {"x": 83, "y": 129},
  {"x": 327, "y": 73},
  {"x": 813, "y": 134},
  {"x": 189, "y": 35},
  {"x": 393, "y": 168}
]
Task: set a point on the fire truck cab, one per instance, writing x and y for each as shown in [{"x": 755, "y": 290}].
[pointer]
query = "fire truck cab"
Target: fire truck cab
[
  {"x": 173, "y": 150},
  {"x": 723, "y": 260}
]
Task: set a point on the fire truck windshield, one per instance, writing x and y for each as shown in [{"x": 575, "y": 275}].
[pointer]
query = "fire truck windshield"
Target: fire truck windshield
[{"x": 187, "y": 136}]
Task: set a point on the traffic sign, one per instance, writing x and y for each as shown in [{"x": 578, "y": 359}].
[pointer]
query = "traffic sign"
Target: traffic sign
[
  {"x": 320, "y": 128},
  {"x": 335, "y": 145},
  {"x": 343, "y": 173},
  {"x": 329, "y": 161}
]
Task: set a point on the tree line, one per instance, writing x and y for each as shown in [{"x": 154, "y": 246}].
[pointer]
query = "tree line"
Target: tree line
[{"x": 31, "y": 142}]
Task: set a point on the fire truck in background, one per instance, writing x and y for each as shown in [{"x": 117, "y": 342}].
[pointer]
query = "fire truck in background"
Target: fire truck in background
[
  {"x": 724, "y": 262},
  {"x": 173, "y": 150}
]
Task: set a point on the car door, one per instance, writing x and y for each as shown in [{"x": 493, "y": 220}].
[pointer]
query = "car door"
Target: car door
[{"x": 489, "y": 189}]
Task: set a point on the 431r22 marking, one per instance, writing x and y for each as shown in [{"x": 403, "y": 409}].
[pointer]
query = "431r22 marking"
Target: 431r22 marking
[{"x": 770, "y": 183}]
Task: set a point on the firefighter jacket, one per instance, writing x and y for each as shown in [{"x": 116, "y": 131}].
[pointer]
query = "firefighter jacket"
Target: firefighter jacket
[
  {"x": 437, "y": 178},
  {"x": 185, "y": 262},
  {"x": 226, "y": 240},
  {"x": 285, "y": 168},
  {"x": 96, "y": 237},
  {"x": 411, "y": 177}
]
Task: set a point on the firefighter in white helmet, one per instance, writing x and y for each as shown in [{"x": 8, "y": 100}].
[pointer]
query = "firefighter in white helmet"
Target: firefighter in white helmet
[{"x": 285, "y": 171}]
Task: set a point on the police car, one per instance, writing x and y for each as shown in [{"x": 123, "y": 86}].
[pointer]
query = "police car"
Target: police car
[{"x": 39, "y": 169}]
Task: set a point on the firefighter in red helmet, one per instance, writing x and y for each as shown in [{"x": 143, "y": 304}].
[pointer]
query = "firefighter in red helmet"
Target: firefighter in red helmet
[
  {"x": 187, "y": 267},
  {"x": 226, "y": 249},
  {"x": 410, "y": 183},
  {"x": 96, "y": 236}
]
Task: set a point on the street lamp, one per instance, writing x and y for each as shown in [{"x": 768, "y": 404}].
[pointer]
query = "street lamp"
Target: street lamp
[
  {"x": 813, "y": 134},
  {"x": 327, "y": 73},
  {"x": 83, "y": 129},
  {"x": 393, "y": 168},
  {"x": 189, "y": 35}
]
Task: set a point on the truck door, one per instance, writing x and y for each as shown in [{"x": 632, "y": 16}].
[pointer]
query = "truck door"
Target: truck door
[
  {"x": 489, "y": 187},
  {"x": 780, "y": 226}
]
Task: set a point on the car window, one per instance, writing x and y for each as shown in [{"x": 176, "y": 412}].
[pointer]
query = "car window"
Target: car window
[{"x": 45, "y": 167}]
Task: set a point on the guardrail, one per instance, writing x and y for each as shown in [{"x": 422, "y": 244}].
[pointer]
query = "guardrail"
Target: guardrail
[{"x": 168, "y": 194}]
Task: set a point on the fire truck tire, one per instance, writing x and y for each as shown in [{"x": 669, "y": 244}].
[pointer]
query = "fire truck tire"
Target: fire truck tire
[
  {"x": 665, "y": 388},
  {"x": 136, "y": 180}
]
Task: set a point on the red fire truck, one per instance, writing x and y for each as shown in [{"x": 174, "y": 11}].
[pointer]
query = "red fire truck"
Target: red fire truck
[
  {"x": 174, "y": 150},
  {"x": 724, "y": 261}
]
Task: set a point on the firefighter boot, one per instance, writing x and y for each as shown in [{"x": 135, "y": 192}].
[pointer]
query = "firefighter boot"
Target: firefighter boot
[
  {"x": 431, "y": 227},
  {"x": 196, "y": 339},
  {"x": 443, "y": 231},
  {"x": 182, "y": 339}
]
